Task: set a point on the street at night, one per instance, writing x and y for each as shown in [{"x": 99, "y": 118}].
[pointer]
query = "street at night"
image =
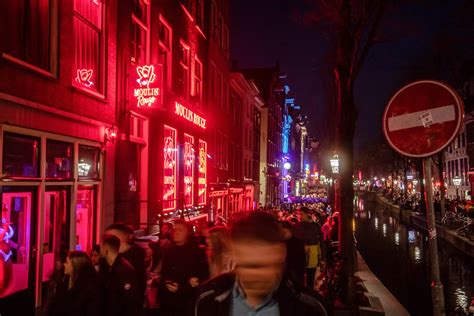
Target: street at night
[{"x": 236, "y": 157}]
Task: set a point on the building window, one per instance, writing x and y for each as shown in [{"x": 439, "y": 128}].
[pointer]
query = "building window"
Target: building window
[
  {"x": 188, "y": 5},
  {"x": 183, "y": 75},
  {"x": 225, "y": 93},
  {"x": 202, "y": 172},
  {"x": 28, "y": 31},
  {"x": 88, "y": 165},
  {"x": 188, "y": 170},
  {"x": 213, "y": 82},
  {"x": 58, "y": 159},
  {"x": 169, "y": 168},
  {"x": 218, "y": 91},
  {"x": 165, "y": 54},
  {"x": 225, "y": 42},
  {"x": 20, "y": 156},
  {"x": 214, "y": 21},
  {"x": 87, "y": 34},
  {"x": 139, "y": 31},
  {"x": 197, "y": 82}
]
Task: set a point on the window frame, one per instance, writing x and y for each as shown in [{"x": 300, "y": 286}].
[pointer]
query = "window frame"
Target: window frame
[
  {"x": 185, "y": 68},
  {"x": 168, "y": 48},
  {"x": 196, "y": 89},
  {"x": 145, "y": 26}
]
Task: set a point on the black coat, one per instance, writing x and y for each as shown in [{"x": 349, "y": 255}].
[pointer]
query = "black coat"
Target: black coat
[
  {"x": 215, "y": 299},
  {"x": 122, "y": 295},
  {"x": 135, "y": 255}
]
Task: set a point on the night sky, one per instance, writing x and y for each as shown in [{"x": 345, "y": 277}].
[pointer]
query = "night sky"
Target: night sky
[{"x": 417, "y": 40}]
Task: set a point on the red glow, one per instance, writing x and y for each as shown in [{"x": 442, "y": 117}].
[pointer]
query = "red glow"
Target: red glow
[
  {"x": 148, "y": 91},
  {"x": 189, "y": 115},
  {"x": 202, "y": 172},
  {"x": 188, "y": 170},
  {"x": 84, "y": 77},
  {"x": 169, "y": 168}
]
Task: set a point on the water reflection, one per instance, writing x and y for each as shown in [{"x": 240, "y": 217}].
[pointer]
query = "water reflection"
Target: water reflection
[{"x": 406, "y": 274}]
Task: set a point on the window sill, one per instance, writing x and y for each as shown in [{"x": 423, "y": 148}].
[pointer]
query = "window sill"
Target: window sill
[
  {"x": 29, "y": 66},
  {"x": 91, "y": 93}
]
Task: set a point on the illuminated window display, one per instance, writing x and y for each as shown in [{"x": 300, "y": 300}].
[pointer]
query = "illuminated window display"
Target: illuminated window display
[
  {"x": 20, "y": 155},
  {"x": 202, "y": 172},
  {"x": 85, "y": 216},
  {"x": 188, "y": 170},
  {"x": 169, "y": 169}
]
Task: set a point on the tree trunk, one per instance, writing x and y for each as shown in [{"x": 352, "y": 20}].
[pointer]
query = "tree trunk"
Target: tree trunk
[{"x": 345, "y": 119}]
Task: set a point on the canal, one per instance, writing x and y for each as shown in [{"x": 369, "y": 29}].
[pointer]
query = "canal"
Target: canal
[{"x": 398, "y": 255}]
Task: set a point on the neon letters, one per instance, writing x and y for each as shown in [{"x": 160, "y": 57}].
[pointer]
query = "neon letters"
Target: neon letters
[
  {"x": 189, "y": 115},
  {"x": 148, "y": 92}
]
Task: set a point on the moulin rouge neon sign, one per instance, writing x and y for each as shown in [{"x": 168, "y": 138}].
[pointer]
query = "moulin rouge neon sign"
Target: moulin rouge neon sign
[
  {"x": 189, "y": 115},
  {"x": 148, "y": 92},
  {"x": 83, "y": 76}
]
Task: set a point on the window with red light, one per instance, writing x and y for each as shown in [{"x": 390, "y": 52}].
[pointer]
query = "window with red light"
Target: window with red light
[
  {"x": 188, "y": 4},
  {"x": 165, "y": 53},
  {"x": 202, "y": 172},
  {"x": 27, "y": 26},
  {"x": 197, "y": 82},
  {"x": 200, "y": 14},
  {"x": 87, "y": 34},
  {"x": 183, "y": 75},
  {"x": 139, "y": 31},
  {"x": 170, "y": 151},
  {"x": 188, "y": 170}
]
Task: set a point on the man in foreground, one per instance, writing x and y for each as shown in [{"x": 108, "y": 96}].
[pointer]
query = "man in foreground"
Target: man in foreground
[{"x": 258, "y": 285}]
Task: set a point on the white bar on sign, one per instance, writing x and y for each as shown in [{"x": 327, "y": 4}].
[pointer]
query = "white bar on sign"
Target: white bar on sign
[{"x": 439, "y": 115}]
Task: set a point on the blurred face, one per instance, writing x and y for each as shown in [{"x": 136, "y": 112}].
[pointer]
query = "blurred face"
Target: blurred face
[
  {"x": 165, "y": 229},
  {"x": 68, "y": 270},
  {"x": 180, "y": 234},
  {"x": 259, "y": 266},
  {"x": 95, "y": 257}
]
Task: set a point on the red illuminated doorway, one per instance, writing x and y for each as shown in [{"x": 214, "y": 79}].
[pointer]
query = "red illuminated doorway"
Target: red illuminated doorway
[
  {"x": 17, "y": 251},
  {"x": 86, "y": 218}
]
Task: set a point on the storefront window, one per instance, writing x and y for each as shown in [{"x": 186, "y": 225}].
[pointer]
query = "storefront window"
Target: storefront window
[
  {"x": 85, "y": 217},
  {"x": 88, "y": 165},
  {"x": 202, "y": 172},
  {"x": 188, "y": 170},
  {"x": 14, "y": 242},
  {"x": 20, "y": 156},
  {"x": 169, "y": 168},
  {"x": 58, "y": 159}
]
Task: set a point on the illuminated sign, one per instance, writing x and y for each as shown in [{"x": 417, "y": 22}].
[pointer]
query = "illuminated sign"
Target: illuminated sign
[
  {"x": 146, "y": 86},
  {"x": 169, "y": 169},
  {"x": 188, "y": 170},
  {"x": 189, "y": 115},
  {"x": 202, "y": 172},
  {"x": 84, "y": 76}
]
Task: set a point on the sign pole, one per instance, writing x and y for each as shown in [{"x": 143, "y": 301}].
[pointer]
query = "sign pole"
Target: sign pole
[{"x": 437, "y": 294}]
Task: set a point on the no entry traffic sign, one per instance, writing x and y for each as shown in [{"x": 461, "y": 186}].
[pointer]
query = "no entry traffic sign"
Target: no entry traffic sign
[{"x": 422, "y": 118}]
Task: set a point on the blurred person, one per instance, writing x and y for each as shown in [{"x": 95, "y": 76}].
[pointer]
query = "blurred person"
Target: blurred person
[
  {"x": 219, "y": 255},
  {"x": 258, "y": 284},
  {"x": 184, "y": 268},
  {"x": 121, "y": 292},
  {"x": 309, "y": 232},
  {"x": 79, "y": 292},
  {"x": 166, "y": 230},
  {"x": 130, "y": 251},
  {"x": 295, "y": 254}
]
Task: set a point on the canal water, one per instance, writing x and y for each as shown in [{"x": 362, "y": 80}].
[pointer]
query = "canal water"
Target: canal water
[{"x": 398, "y": 255}]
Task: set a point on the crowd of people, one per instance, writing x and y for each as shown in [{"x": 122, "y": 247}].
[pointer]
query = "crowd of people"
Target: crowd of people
[{"x": 264, "y": 262}]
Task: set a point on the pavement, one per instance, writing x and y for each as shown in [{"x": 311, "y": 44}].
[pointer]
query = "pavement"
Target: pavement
[{"x": 390, "y": 304}]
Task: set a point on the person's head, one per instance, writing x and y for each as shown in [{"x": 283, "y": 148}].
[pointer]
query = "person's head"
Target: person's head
[
  {"x": 124, "y": 232},
  {"x": 217, "y": 240},
  {"x": 259, "y": 252},
  {"x": 166, "y": 229},
  {"x": 77, "y": 266},
  {"x": 287, "y": 229},
  {"x": 110, "y": 246},
  {"x": 95, "y": 255},
  {"x": 305, "y": 214},
  {"x": 181, "y": 232}
]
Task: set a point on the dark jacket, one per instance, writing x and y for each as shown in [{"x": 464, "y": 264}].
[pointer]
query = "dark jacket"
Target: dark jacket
[
  {"x": 295, "y": 259},
  {"x": 135, "y": 255},
  {"x": 180, "y": 263},
  {"x": 82, "y": 299},
  {"x": 308, "y": 232},
  {"x": 215, "y": 299},
  {"x": 121, "y": 292}
]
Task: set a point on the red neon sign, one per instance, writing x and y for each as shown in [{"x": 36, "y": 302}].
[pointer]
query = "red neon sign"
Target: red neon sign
[
  {"x": 188, "y": 170},
  {"x": 84, "y": 76},
  {"x": 202, "y": 172},
  {"x": 169, "y": 169},
  {"x": 189, "y": 115},
  {"x": 146, "y": 84}
]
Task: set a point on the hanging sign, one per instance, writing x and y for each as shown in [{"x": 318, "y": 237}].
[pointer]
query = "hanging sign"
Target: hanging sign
[
  {"x": 146, "y": 86},
  {"x": 189, "y": 115}
]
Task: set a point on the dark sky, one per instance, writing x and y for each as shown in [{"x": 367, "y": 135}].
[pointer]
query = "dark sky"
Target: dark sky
[{"x": 420, "y": 40}]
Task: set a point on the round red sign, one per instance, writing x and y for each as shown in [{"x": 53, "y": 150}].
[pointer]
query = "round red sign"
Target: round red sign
[{"x": 422, "y": 118}]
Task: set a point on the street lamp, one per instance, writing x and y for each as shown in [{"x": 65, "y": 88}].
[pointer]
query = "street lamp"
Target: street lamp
[{"x": 287, "y": 165}]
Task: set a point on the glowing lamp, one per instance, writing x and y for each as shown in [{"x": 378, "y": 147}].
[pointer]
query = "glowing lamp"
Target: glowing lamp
[
  {"x": 457, "y": 181},
  {"x": 287, "y": 165},
  {"x": 335, "y": 164}
]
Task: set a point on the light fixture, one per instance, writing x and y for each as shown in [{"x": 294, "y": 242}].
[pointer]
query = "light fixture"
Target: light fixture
[
  {"x": 287, "y": 165},
  {"x": 111, "y": 134},
  {"x": 335, "y": 163}
]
